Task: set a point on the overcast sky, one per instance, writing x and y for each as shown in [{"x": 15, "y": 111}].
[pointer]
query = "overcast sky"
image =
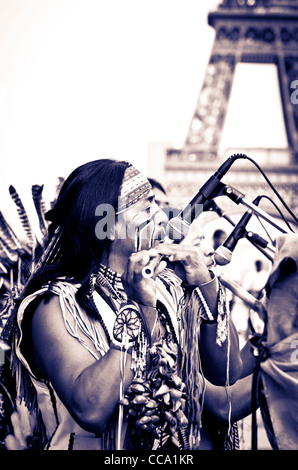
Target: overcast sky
[{"x": 87, "y": 79}]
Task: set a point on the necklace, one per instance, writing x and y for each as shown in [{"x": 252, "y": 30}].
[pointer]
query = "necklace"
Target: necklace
[
  {"x": 111, "y": 280},
  {"x": 108, "y": 283}
]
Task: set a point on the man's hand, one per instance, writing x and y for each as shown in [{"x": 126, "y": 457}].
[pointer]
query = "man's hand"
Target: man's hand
[
  {"x": 137, "y": 287},
  {"x": 191, "y": 264}
]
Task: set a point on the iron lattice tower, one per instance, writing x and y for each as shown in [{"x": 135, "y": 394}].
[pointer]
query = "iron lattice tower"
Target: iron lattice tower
[{"x": 251, "y": 31}]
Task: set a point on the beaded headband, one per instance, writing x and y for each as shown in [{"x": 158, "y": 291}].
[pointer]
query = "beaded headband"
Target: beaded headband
[{"x": 134, "y": 187}]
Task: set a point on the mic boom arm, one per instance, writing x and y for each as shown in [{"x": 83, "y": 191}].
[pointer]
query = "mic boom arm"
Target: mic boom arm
[{"x": 239, "y": 198}]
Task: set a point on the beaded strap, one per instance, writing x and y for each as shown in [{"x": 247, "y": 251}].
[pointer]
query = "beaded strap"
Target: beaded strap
[
  {"x": 223, "y": 312},
  {"x": 223, "y": 317},
  {"x": 206, "y": 315}
]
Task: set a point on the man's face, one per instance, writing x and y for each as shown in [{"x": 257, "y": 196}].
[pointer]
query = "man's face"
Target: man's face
[{"x": 141, "y": 226}]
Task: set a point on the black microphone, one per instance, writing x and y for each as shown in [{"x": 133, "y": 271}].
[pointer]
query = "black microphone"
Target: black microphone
[
  {"x": 223, "y": 254},
  {"x": 177, "y": 228}
]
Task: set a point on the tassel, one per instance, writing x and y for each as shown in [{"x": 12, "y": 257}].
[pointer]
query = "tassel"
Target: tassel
[
  {"x": 191, "y": 367},
  {"x": 22, "y": 215},
  {"x": 7, "y": 316},
  {"x": 39, "y": 206}
]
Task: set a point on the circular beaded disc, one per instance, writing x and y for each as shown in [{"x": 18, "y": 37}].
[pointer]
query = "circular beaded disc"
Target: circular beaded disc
[{"x": 127, "y": 320}]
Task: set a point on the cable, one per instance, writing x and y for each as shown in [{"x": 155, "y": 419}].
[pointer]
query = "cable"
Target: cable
[
  {"x": 278, "y": 210},
  {"x": 242, "y": 155}
]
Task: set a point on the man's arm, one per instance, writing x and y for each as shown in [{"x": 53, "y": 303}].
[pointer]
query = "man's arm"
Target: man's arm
[{"x": 89, "y": 388}]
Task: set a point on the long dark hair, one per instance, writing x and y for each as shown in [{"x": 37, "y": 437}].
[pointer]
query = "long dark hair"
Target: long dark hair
[{"x": 72, "y": 249}]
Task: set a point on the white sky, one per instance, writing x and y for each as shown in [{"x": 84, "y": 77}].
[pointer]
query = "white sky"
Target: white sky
[{"x": 87, "y": 79}]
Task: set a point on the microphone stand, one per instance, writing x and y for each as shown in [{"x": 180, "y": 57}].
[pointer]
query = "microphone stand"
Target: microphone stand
[
  {"x": 249, "y": 237},
  {"x": 239, "y": 198}
]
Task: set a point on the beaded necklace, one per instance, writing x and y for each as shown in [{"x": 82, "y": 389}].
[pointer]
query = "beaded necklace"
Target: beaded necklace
[
  {"x": 110, "y": 283},
  {"x": 106, "y": 282}
]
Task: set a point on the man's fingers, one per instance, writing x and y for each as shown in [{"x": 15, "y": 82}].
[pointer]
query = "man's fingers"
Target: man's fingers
[
  {"x": 137, "y": 261},
  {"x": 184, "y": 254},
  {"x": 161, "y": 266}
]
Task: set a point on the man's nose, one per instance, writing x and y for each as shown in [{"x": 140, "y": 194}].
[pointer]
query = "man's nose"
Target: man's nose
[{"x": 207, "y": 248}]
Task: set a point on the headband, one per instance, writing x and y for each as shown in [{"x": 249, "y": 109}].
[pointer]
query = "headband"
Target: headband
[{"x": 134, "y": 187}]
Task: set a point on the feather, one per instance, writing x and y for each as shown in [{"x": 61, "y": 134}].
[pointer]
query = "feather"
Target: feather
[
  {"x": 22, "y": 215},
  {"x": 6, "y": 253},
  {"x": 3, "y": 268},
  {"x": 39, "y": 206},
  {"x": 8, "y": 235}
]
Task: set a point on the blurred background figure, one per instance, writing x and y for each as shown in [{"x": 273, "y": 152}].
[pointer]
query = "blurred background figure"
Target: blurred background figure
[
  {"x": 162, "y": 200},
  {"x": 255, "y": 280},
  {"x": 219, "y": 236},
  {"x": 161, "y": 197}
]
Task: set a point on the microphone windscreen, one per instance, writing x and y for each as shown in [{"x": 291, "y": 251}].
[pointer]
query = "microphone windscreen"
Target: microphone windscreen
[{"x": 222, "y": 255}]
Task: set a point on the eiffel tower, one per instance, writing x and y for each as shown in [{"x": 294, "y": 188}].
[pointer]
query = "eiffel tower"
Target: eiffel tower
[{"x": 248, "y": 31}]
